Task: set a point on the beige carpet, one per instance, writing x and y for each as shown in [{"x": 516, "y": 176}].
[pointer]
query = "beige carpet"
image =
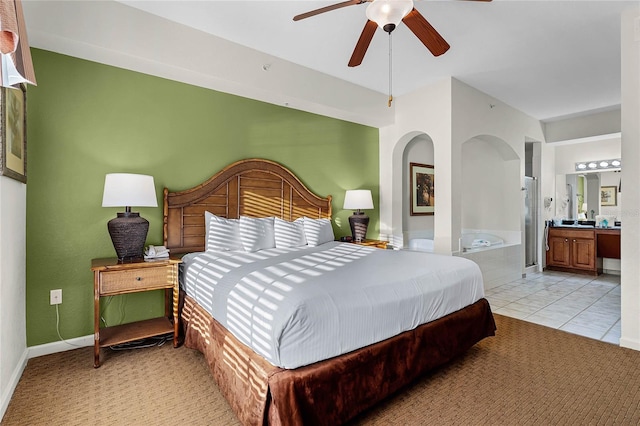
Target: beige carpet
[{"x": 525, "y": 375}]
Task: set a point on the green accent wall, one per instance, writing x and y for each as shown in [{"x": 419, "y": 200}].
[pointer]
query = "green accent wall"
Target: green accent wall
[{"x": 87, "y": 119}]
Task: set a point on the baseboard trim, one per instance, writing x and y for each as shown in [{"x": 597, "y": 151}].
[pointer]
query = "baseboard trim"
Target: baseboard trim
[
  {"x": 630, "y": 343},
  {"x": 36, "y": 351},
  {"x": 13, "y": 382},
  {"x": 60, "y": 346}
]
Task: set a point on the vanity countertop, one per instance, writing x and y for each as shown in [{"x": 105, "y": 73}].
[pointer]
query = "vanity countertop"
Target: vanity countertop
[
  {"x": 578, "y": 226},
  {"x": 586, "y": 227}
]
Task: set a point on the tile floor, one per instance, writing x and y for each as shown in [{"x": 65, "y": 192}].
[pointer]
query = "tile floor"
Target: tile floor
[{"x": 579, "y": 304}]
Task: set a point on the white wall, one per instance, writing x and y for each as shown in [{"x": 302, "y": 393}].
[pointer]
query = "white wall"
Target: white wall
[
  {"x": 423, "y": 112},
  {"x": 451, "y": 113},
  {"x": 490, "y": 191},
  {"x": 13, "y": 343},
  {"x": 547, "y": 184},
  {"x": 598, "y": 124},
  {"x": 478, "y": 114},
  {"x": 630, "y": 37},
  {"x": 567, "y": 155},
  {"x": 156, "y": 46}
]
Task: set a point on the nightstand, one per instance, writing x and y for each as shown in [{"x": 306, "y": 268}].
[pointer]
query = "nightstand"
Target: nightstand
[
  {"x": 373, "y": 243},
  {"x": 113, "y": 277}
]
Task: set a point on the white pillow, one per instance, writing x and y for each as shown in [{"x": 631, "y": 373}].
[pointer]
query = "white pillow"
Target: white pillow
[
  {"x": 318, "y": 231},
  {"x": 222, "y": 234},
  {"x": 207, "y": 222},
  {"x": 289, "y": 234},
  {"x": 257, "y": 233}
]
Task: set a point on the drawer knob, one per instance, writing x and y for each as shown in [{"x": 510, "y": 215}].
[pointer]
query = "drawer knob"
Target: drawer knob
[{"x": 138, "y": 278}]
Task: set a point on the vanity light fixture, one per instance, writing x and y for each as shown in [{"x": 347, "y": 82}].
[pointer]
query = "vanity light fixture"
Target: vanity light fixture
[{"x": 598, "y": 165}]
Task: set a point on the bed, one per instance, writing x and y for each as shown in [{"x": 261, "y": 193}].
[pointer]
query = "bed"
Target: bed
[{"x": 267, "y": 386}]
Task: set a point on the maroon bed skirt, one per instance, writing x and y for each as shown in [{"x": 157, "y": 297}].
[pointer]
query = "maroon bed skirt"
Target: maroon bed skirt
[{"x": 333, "y": 391}]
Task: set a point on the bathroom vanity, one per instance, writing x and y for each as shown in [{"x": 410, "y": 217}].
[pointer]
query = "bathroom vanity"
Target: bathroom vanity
[{"x": 577, "y": 248}]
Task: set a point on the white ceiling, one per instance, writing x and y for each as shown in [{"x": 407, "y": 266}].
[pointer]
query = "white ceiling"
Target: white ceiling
[{"x": 546, "y": 58}]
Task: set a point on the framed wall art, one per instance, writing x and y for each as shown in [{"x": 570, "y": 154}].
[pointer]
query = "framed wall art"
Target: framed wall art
[
  {"x": 13, "y": 133},
  {"x": 608, "y": 196},
  {"x": 422, "y": 189}
]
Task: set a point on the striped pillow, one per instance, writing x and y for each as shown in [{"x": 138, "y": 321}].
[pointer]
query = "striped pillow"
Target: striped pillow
[
  {"x": 318, "y": 231},
  {"x": 257, "y": 233},
  {"x": 289, "y": 234},
  {"x": 222, "y": 234}
]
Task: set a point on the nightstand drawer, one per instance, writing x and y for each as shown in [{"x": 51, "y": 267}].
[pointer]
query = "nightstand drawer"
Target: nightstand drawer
[{"x": 136, "y": 280}]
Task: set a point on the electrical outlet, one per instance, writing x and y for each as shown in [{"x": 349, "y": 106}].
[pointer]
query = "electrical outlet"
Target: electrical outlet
[{"x": 55, "y": 297}]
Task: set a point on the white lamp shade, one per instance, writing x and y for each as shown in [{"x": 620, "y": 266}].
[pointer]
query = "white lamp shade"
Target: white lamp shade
[
  {"x": 128, "y": 190},
  {"x": 384, "y": 12},
  {"x": 358, "y": 199}
]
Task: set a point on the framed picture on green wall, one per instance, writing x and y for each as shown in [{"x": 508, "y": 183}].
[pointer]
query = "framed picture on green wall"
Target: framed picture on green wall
[
  {"x": 13, "y": 133},
  {"x": 422, "y": 189}
]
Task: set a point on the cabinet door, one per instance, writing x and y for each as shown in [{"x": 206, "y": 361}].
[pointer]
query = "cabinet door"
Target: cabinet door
[
  {"x": 558, "y": 254},
  {"x": 583, "y": 251}
]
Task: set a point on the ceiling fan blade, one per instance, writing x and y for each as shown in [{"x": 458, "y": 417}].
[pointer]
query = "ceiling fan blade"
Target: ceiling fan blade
[
  {"x": 363, "y": 43},
  {"x": 328, "y": 8},
  {"x": 426, "y": 33}
]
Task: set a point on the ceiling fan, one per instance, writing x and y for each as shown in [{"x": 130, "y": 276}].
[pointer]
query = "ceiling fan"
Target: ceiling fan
[{"x": 387, "y": 14}]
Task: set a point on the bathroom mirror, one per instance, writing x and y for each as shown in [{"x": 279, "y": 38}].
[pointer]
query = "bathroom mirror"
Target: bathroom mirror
[{"x": 578, "y": 194}]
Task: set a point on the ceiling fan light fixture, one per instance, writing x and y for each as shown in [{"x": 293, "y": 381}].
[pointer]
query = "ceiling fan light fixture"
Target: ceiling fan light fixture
[{"x": 388, "y": 13}]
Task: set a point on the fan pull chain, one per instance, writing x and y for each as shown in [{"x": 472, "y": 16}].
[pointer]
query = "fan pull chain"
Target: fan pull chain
[{"x": 390, "y": 72}]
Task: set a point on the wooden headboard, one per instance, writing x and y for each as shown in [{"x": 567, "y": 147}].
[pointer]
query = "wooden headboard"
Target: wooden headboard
[{"x": 253, "y": 187}]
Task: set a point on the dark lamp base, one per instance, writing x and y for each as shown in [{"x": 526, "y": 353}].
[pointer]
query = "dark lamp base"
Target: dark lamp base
[
  {"x": 128, "y": 233},
  {"x": 358, "y": 222}
]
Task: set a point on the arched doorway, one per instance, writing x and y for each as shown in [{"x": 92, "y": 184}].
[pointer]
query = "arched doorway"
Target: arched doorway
[{"x": 418, "y": 150}]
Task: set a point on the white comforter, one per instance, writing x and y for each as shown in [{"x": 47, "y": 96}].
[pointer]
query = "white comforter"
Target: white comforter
[{"x": 298, "y": 306}]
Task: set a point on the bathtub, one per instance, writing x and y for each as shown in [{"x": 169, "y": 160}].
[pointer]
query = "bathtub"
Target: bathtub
[
  {"x": 497, "y": 253},
  {"x": 421, "y": 244},
  {"x": 477, "y": 241},
  {"x": 468, "y": 242}
]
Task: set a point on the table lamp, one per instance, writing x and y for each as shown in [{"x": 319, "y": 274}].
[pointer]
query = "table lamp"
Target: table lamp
[
  {"x": 358, "y": 199},
  {"x": 128, "y": 230}
]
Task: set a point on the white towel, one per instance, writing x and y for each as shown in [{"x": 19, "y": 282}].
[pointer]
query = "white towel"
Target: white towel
[{"x": 480, "y": 243}]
